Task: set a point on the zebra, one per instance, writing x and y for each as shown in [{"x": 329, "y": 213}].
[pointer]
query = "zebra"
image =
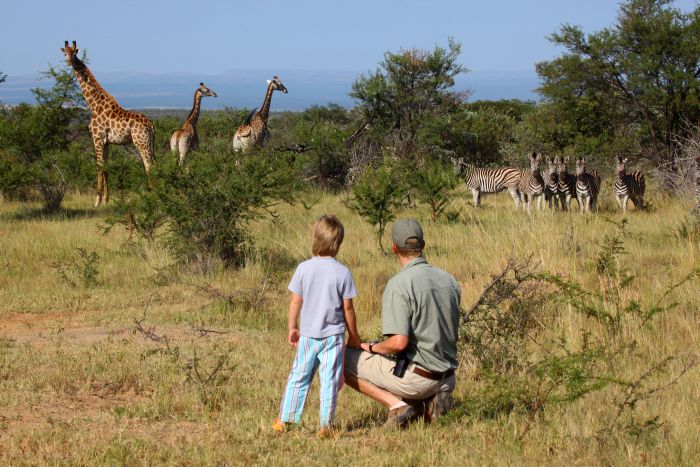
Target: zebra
[
  {"x": 551, "y": 186},
  {"x": 587, "y": 186},
  {"x": 485, "y": 180},
  {"x": 628, "y": 186},
  {"x": 531, "y": 183},
  {"x": 567, "y": 184}
]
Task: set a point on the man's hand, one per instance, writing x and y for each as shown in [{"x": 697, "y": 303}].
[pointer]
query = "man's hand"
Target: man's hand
[
  {"x": 353, "y": 342},
  {"x": 293, "y": 337},
  {"x": 391, "y": 345}
]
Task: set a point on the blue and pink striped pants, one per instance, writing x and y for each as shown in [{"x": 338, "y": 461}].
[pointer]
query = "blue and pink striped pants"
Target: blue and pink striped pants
[{"x": 326, "y": 356}]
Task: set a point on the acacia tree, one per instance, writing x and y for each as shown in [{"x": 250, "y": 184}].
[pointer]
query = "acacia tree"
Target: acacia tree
[
  {"x": 36, "y": 139},
  {"x": 408, "y": 90},
  {"x": 642, "y": 73}
]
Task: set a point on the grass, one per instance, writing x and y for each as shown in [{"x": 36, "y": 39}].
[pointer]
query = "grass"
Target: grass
[{"x": 79, "y": 385}]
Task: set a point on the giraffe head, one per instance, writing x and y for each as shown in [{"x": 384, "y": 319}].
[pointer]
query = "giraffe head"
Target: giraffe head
[
  {"x": 277, "y": 85},
  {"x": 620, "y": 166},
  {"x": 205, "y": 91},
  {"x": 71, "y": 53}
]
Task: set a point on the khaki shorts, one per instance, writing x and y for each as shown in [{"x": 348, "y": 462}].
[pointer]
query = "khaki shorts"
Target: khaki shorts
[{"x": 377, "y": 370}]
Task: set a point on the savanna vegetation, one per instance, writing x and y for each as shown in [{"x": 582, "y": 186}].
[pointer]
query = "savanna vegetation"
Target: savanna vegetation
[{"x": 153, "y": 330}]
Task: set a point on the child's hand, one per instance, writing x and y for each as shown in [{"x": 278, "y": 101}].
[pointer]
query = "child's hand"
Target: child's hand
[
  {"x": 293, "y": 337},
  {"x": 353, "y": 342}
]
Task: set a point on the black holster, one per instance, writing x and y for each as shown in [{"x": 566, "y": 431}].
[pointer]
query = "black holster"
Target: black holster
[{"x": 401, "y": 366}]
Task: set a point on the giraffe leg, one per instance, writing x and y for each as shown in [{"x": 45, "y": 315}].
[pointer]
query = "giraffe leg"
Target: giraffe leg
[
  {"x": 105, "y": 196},
  {"x": 100, "y": 153},
  {"x": 173, "y": 142},
  {"x": 183, "y": 147},
  {"x": 144, "y": 146}
]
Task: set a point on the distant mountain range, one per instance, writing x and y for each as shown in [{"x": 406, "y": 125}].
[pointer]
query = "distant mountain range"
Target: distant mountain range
[{"x": 245, "y": 88}]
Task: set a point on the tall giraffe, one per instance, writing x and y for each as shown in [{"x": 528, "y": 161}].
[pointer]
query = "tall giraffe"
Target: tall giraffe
[
  {"x": 254, "y": 131},
  {"x": 110, "y": 123},
  {"x": 186, "y": 139}
]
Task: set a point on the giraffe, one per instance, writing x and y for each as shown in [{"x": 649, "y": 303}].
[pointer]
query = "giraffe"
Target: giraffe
[
  {"x": 186, "y": 139},
  {"x": 254, "y": 131},
  {"x": 110, "y": 123}
]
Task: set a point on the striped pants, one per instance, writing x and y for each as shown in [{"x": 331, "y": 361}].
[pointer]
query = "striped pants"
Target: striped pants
[{"x": 326, "y": 356}]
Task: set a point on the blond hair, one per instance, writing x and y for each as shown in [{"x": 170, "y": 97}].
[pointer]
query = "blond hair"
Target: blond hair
[{"x": 328, "y": 236}]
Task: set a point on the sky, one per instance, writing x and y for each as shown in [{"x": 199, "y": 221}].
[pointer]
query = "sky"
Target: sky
[{"x": 211, "y": 37}]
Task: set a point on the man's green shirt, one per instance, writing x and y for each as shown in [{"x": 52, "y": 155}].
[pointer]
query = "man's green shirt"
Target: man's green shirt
[{"x": 422, "y": 302}]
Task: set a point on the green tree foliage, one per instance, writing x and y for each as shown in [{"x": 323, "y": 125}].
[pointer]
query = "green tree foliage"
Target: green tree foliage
[
  {"x": 329, "y": 113},
  {"x": 639, "y": 75},
  {"x": 514, "y": 108},
  {"x": 376, "y": 195},
  {"x": 487, "y": 132},
  {"x": 207, "y": 208},
  {"x": 409, "y": 89},
  {"x": 320, "y": 133},
  {"x": 36, "y": 140},
  {"x": 432, "y": 184}
]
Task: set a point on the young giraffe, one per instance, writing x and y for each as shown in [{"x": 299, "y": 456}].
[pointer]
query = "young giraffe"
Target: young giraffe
[
  {"x": 186, "y": 139},
  {"x": 110, "y": 123},
  {"x": 254, "y": 131}
]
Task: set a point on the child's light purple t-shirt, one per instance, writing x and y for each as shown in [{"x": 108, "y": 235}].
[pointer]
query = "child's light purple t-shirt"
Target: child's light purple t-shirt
[{"x": 323, "y": 284}]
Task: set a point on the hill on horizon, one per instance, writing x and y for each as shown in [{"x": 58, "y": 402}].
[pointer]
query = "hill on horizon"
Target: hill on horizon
[{"x": 245, "y": 88}]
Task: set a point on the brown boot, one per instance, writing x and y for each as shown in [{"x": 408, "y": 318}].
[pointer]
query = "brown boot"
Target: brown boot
[
  {"x": 437, "y": 405},
  {"x": 401, "y": 417}
]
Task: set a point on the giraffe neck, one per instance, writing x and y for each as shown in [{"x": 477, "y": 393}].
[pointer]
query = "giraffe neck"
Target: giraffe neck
[
  {"x": 95, "y": 95},
  {"x": 265, "y": 109},
  {"x": 194, "y": 113}
]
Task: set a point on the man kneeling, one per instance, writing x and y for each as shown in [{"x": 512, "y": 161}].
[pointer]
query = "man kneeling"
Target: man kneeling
[{"x": 411, "y": 371}]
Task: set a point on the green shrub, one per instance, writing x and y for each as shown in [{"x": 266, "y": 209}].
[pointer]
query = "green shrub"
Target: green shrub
[
  {"x": 376, "y": 194},
  {"x": 35, "y": 140},
  {"x": 206, "y": 208},
  {"x": 324, "y": 159},
  {"x": 432, "y": 184}
]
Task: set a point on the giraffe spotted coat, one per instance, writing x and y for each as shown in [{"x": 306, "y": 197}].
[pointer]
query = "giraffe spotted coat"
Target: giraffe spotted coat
[
  {"x": 254, "y": 132},
  {"x": 186, "y": 138},
  {"x": 110, "y": 123}
]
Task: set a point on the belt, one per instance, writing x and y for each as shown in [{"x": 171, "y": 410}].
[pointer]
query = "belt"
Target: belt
[{"x": 432, "y": 375}]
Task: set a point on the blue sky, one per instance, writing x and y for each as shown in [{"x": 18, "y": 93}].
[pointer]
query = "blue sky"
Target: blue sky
[{"x": 215, "y": 36}]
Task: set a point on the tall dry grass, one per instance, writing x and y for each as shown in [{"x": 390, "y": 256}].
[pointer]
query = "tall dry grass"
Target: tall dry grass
[{"x": 78, "y": 385}]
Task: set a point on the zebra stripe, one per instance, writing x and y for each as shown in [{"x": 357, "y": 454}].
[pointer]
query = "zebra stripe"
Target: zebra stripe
[
  {"x": 484, "y": 180},
  {"x": 587, "y": 186},
  {"x": 531, "y": 183},
  {"x": 567, "y": 184},
  {"x": 628, "y": 186},
  {"x": 551, "y": 185}
]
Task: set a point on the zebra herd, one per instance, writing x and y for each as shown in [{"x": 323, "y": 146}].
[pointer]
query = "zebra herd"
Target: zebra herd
[{"x": 558, "y": 187}]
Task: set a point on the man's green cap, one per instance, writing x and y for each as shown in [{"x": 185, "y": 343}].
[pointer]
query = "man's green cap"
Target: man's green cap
[{"x": 407, "y": 234}]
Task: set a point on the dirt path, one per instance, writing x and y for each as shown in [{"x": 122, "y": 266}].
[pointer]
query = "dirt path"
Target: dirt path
[
  {"x": 96, "y": 407},
  {"x": 40, "y": 329}
]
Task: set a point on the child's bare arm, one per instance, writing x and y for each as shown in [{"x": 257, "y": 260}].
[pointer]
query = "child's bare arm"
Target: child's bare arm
[
  {"x": 293, "y": 319},
  {"x": 351, "y": 324}
]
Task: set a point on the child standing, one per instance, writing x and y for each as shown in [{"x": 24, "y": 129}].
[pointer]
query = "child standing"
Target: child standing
[{"x": 322, "y": 291}]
